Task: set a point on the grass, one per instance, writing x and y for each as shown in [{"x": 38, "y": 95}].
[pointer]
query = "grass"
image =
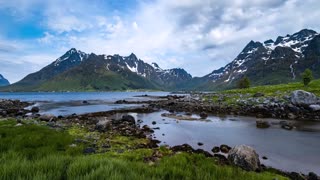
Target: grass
[
  {"x": 231, "y": 97},
  {"x": 38, "y": 152},
  {"x": 270, "y": 90}
]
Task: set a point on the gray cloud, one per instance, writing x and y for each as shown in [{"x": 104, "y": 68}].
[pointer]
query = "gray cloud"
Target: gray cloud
[{"x": 198, "y": 35}]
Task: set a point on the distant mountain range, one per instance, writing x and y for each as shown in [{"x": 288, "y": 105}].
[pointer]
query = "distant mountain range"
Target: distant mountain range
[
  {"x": 3, "y": 81},
  {"x": 78, "y": 71},
  {"x": 270, "y": 62}
]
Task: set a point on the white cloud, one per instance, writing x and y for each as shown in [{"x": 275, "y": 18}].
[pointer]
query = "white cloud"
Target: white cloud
[
  {"x": 199, "y": 35},
  {"x": 47, "y": 38}
]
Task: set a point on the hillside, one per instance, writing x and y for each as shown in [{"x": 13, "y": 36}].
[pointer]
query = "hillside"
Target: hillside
[
  {"x": 3, "y": 81},
  {"x": 270, "y": 62},
  {"x": 78, "y": 71}
]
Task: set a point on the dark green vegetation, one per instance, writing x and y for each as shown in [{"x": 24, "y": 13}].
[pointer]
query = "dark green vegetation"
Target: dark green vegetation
[
  {"x": 280, "y": 89},
  {"x": 244, "y": 83},
  {"x": 34, "y": 151},
  {"x": 307, "y": 77},
  {"x": 270, "y": 62},
  {"x": 232, "y": 97},
  {"x": 78, "y": 71}
]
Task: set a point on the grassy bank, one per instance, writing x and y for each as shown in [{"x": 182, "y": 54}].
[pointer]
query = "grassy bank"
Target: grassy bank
[
  {"x": 270, "y": 90},
  {"x": 35, "y": 151},
  {"x": 231, "y": 97}
]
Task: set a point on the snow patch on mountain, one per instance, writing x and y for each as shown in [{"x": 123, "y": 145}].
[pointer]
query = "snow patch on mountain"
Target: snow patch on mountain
[
  {"x": 133, "y": 68},
  {"x": 72, "y": 55}
]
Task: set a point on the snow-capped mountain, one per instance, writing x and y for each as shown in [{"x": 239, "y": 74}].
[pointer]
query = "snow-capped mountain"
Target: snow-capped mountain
[
  {"x": 167, "y": 77},
  {"x": 271, "y": 62},
  {"x": 3, "y": 81},
  {"x": 72, "y": 56},
  {"x": 86, "y": 69}
]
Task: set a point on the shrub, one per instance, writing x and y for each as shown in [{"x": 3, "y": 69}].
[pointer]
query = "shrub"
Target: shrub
[
  {"x": 244, "y": 83},
  {"x": 307, "y": 77}
]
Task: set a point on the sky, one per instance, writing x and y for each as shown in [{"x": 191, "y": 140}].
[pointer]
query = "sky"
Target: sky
[{"x": 197, "y": 35}]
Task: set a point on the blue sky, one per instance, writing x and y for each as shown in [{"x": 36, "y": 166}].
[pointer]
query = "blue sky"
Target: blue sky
[{"x": 197, "y": 35}]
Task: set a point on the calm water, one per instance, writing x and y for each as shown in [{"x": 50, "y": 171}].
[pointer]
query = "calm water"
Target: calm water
[
  {"x": 66, "y": 103},
  {"x": 297, "y": 150}
]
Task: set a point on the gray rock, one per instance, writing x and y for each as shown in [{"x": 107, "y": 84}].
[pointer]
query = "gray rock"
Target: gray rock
[
  {"x": 312, "y": 176},
  {"x": 103, "y": 124},
  {"x": 291, "y": 116},
  {"x": 203, "y": 115},
  {"x": 225, "y": 148},
  {"x": 258, "y": 94},
  {"x": 47, "y": 117},
  {"x": 35, "y": 109},
  {"x": 314, "y": 107},
  {"x": 128, "y": 118},
  {"x": 245, "y": 157},
  {"x": 300, "y": 97},
  {"x": 19, "y": 124},
  {"x": 89, "y": 150},
  {"x": 262, "y": 124}
]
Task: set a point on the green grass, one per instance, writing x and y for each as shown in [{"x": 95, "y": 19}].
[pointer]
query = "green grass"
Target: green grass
[
  {"x": 313, "y": 87},
  {"x": 37, "y": 152}
]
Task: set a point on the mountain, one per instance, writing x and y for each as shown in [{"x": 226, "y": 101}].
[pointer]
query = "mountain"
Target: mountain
[
  {"x": 32, "y": 81},
  {"x": 79, "y": 71},
  {"x": 269, "y": 62},
  {"x": 3, "y": 81}
]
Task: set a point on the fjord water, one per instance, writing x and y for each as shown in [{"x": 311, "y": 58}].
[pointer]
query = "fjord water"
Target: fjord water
[
  {"x": 297, "y": 150},
  {"x": 67, "y": 103}
]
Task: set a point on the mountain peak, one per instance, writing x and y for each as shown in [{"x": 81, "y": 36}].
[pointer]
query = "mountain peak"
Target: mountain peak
[
  {"x": 155, "y": 65},
  {"x": 252, "y": 45},
  {"x": 3, "y": 81},
  {"x": 306, "y": 32},
  {"x": 132, "y": 56},
  {"x": 73, "y": 55}
]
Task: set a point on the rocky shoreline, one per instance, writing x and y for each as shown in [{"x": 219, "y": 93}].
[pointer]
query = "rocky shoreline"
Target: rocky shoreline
[
  {"x": 109, "y": 122},
  {"x": 299, "y": 105}
]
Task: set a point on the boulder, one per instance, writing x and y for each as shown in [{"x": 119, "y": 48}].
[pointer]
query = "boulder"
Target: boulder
[
  {"x": 215, "y": 149},
  {"x": 89, "y": 150},
  {"x": 301, "y": 98},
  {"x": 35, "y": 109},
  {"x": 312, "y": 176},
  {"x": 183, "y": 148},
  {"x": 287, "y": 127},
  {"x": 262, "y": 124},
  {"x": 200, "y": 144},
  {"x": 103, "y": 124},
  {"x": 245, "y": 157},
  {"x": 291, "y": 116},
  {"x": 221, "y": 158},
  {"x": 205, "y": 153},
  {"x": 203, "y": 115},
  {"x": 225, "y": 148},
  {"x": 314, "y": 107},
  {"x": 128, "y": 118},
  {"x": 47, "y": 117}
]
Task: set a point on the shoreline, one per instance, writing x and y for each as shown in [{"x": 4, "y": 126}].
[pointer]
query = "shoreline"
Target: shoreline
[{"x": 170, "y": 103}]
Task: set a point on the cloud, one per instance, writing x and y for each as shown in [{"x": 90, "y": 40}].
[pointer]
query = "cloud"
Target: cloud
[{"x": 198, "y": 35}]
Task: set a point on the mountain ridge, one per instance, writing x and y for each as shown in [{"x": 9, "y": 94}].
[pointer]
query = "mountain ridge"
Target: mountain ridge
[
  {"x": 3, "y": 81},
  {"x": 270, "y": 62},
  {"x": 129, "y": 71}
]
